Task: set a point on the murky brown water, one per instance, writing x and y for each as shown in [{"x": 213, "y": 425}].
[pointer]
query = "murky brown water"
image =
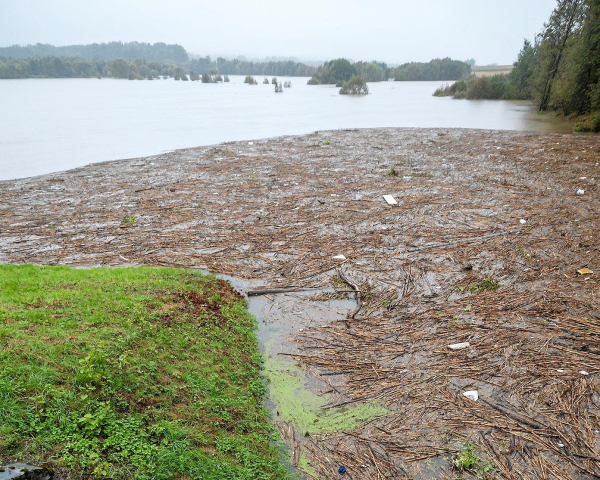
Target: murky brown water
[{"x": 50, "y": 125}]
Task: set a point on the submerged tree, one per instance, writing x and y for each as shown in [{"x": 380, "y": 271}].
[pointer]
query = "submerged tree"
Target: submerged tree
[{"x": 355, "y": 86}]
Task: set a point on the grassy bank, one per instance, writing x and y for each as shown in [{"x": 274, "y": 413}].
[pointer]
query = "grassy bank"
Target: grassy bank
[{"x": 131, "y": 373}]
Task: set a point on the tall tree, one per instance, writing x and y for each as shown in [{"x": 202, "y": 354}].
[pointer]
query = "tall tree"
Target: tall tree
[
  {"x": 566, "y": 20},
  {"x": 524, "y": 69},
  {"x": 586, "y": 94}
]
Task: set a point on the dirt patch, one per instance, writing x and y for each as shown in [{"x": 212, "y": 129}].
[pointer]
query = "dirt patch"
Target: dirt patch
[{"x": 195, "y": 305}]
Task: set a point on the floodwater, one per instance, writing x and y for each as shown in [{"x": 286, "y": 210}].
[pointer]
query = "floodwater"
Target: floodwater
[
  {"x": 295, "y": 396},
  {"x": 50, "y": 125}
]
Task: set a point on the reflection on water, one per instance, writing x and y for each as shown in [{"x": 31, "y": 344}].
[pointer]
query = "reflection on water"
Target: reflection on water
[{"x": 48, "y": 125}]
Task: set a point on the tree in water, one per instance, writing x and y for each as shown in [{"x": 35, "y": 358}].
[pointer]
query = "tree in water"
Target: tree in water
[{"x": 355, "y": 86}]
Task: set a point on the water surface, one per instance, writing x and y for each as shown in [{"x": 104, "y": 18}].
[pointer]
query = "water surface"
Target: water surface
[{"x": 49, "y": 125}]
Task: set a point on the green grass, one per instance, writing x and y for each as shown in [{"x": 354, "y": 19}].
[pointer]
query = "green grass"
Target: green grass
[
  {"x": 589, "y": 123},
  {"x": 467, "y": 460},
  {"x": 136, "y": 373},
  {"x": 488, "y": 284}
]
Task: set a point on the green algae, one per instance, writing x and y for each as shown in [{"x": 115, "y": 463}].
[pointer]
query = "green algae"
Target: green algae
[
  {"x": 304, "y": 465},
  {"x": 296, "y": 403}
]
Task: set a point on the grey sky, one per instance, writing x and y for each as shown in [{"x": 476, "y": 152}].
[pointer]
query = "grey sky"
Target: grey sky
[{"x": 393, "y": 31}]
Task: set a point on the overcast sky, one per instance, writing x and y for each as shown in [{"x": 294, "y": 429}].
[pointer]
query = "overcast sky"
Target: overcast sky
[{"x": 394, "y": 31}]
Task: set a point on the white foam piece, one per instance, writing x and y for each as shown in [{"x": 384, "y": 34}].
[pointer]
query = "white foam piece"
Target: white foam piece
[
  {"x": 472, "y": 395},
  {"x": 459, "y": 346},
  {"x": 390, "y": 200}
]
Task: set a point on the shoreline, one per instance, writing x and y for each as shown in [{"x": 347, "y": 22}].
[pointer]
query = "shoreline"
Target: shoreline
[
  {"x": 316, "y": 132},
  {"x": 280, "y": 209}
]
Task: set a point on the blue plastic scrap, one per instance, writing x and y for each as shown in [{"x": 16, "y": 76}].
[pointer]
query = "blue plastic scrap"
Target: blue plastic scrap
[{"x": 342, "y": 470}]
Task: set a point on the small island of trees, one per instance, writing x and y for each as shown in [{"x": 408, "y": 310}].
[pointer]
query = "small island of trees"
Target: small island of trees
[
  {"x": 250, "y": 80},
  {"x": 355, "y": 86}
]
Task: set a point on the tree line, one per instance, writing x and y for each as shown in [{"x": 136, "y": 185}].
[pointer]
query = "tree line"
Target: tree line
[
  {"x": 76, "y": 67},
  {"x": 244, "y": 67},
  {"x": 559, "y": 70},
  {"x": 59, "y": 67},
  {"x": 43, "y": 60},
  {"x": 144, "y": 60},
  {"x": 158, "y": 52},
  {"x": 341, "y": 70}
]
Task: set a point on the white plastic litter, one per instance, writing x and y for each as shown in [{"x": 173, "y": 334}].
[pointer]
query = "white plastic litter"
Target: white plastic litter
[
  {"x": 581, "y": 191},
  {"x": 340, "y": 257},
  {"x": 472, "y": 395},
  {"x": 390, "y": 200},
  {"x": 560, "y": 370},
  {"x": 584, "y": 373},
  {"x": 522, "y": 221},
  {"x": 459, "y": 346},
  {"x": 250, "y": 143}
]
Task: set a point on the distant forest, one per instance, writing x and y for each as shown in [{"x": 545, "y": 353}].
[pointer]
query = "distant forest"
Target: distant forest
[
  {"x": 159, "y": 52},
  {"x": 341, "y": 70},
  {"x": 242, "y": 67},
  {"x": 57, "y": 67},
  {"x": 135, "y": 60}
]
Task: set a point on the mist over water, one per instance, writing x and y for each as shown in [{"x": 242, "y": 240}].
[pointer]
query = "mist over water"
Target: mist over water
[{"x": 50, "y": 125}]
